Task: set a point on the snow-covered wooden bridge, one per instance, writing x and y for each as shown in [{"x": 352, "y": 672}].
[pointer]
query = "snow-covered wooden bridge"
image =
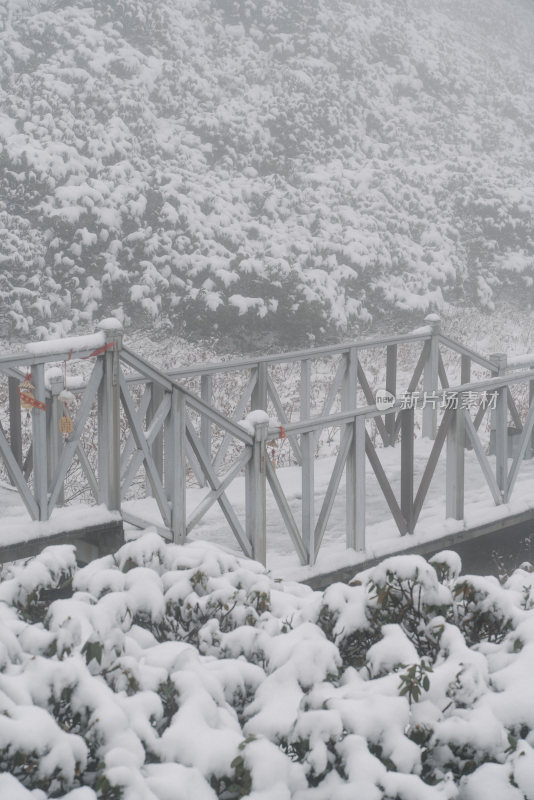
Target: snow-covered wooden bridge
[{"x": 320, "y": 458}]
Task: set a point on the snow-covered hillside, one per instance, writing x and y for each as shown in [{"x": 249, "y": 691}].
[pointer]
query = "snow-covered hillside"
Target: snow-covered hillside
[{"x": 290, "y": 165}]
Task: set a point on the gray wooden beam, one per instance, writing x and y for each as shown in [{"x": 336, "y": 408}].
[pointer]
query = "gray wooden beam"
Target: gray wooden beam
[
  {"x": 454, "y": 481},
  {"x": 391, "y": 386},
  {"x": 407, "y": 467},
  {"x": 430, "y": 379},
  {"x": 255, "y": 496},
  {"x": 349, "y": 399},
  {"x": 15, "y": 428},
  {"x": 40, "y": 445}
]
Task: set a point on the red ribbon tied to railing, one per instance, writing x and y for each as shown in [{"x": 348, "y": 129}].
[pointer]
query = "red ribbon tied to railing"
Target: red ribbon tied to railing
[
  {"x": 31, "y": 401},
  {"x": 100, "y": 350}
]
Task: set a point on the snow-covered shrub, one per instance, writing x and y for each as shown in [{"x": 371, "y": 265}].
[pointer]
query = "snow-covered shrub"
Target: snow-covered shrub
[{"x": 172, "y": 672}]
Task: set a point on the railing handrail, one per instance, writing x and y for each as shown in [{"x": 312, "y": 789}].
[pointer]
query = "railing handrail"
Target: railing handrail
[
  {"x": 349, "y": 415},
  {"x": 152, "y": 373},
  {"x": 462, "y": 349}
]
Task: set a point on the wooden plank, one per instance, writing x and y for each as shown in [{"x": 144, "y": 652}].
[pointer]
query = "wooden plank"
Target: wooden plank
[
  {"x": 333, "y": 486},
  {"x": 206, "y": 393},
  {"x": 285, "y": 511},
  {"x": 514, "y": 413},
  {"x": 73, "y": 440},
  {"x": 40, "y": 456},
  {"x": 407, "y": 467},
  {"x": 501, "y": 441},
  {"x": 277, "y": 403},
  {"x": 17, "y": 477},
  {"x": 258, "y": 400},
  {"x": 442, "y": 373},
  {"x": 28, "y": 462},
  {"x": 454, "y": 480},
  {"x": 465, "y": 377},
  {"x": 54, "y": 411},
  {"x": 518, "y": 459},
  {"x": 369, "y": 396},
  {"x": 358, "y": 540},
  {"x": 391, "y": 386},
  {"x": 487, "y": 363},
  {"x": 148, "y": 371},
  {"x": 465, "y": 368},
  {"x": 129, "y": 446},
  {"x": 237, "y": 414},
  {"x": 482, "y": 458},
  {"x": 337, "y": 383},
  {"x": 349, "y": 399},
  {"x": 255, "y": 496},
  {"x": 88, "y": 470},
  {"x": 91, "y": 541},
  {"x": 305, "y": 388},
  {"x": 142, "y": 444},
  {"x": 431, "y": 464},
  {"x": 178, "y": 489},
  {"x": 15, "y": 428},
  {"x": 385, "y": 486},
  {"x": 430, "y": 383},
  {"x": 223, "y": 501},
  {"x": 307, "y": 444},
  {"x": 212, "y": 496},
  {"x": 153, "y": 431},
  {"x": 414, "y": 380}
]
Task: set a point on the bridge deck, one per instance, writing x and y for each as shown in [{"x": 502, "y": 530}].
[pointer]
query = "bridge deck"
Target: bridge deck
[
  {"x": 78, "y": 524},
  {"x": 382, "y": 535}
]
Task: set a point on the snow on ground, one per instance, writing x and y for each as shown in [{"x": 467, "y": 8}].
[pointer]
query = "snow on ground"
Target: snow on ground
[{"x": 382, "y": 536}]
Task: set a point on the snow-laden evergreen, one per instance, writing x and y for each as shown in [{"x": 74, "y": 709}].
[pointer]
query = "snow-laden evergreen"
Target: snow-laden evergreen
[
  {"x": 180, "y": 672},
  {"x": 262, "y": 164}
]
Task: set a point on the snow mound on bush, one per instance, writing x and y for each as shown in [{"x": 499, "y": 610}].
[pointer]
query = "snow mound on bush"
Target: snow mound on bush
[{"x": 179, "y": 672}]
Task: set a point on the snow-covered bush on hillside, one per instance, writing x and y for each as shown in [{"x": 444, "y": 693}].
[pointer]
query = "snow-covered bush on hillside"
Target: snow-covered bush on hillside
[
  {"x": 261, "y": 165},
  {"x": 177, "y": 672}
]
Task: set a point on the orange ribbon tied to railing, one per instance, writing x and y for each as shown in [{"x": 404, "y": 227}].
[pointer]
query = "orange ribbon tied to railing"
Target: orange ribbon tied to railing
[{"x": 282, "y": 432}]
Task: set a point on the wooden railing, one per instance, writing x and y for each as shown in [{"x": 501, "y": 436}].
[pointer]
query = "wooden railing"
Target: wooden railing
[{"x": 149, "y": 420}]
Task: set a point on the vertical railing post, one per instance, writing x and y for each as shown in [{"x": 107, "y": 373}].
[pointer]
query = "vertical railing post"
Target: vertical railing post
[
  {"x": 256, "y": 495},
  {"x": 206, "y": 391},
  {"x": 175, "y": 464},
  {"x": 258, "y": 400},
  {"x": 530, "y": 402},
  {"x": 349, "y": 403},
  {"x": 455, "y": 461},
  {"x": 430, "y": 377},
  {"x": 359, "y": 433},
  {"x": 55, "y": 442},
  {"x": 156, "y": 396},
  {"x": 407, "y": 466},
  {"x": 391, "y": 386},
  {"x": 39, "y": 442},
  {"x": 109, "y": 441},
  {"x": 305, "y": 388},
  {"x": 465, "y": 377},
  {"x": 15, "y": 427},
  {"x": 307, "y": 446},
  {"x": 501, "y": 428}
]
